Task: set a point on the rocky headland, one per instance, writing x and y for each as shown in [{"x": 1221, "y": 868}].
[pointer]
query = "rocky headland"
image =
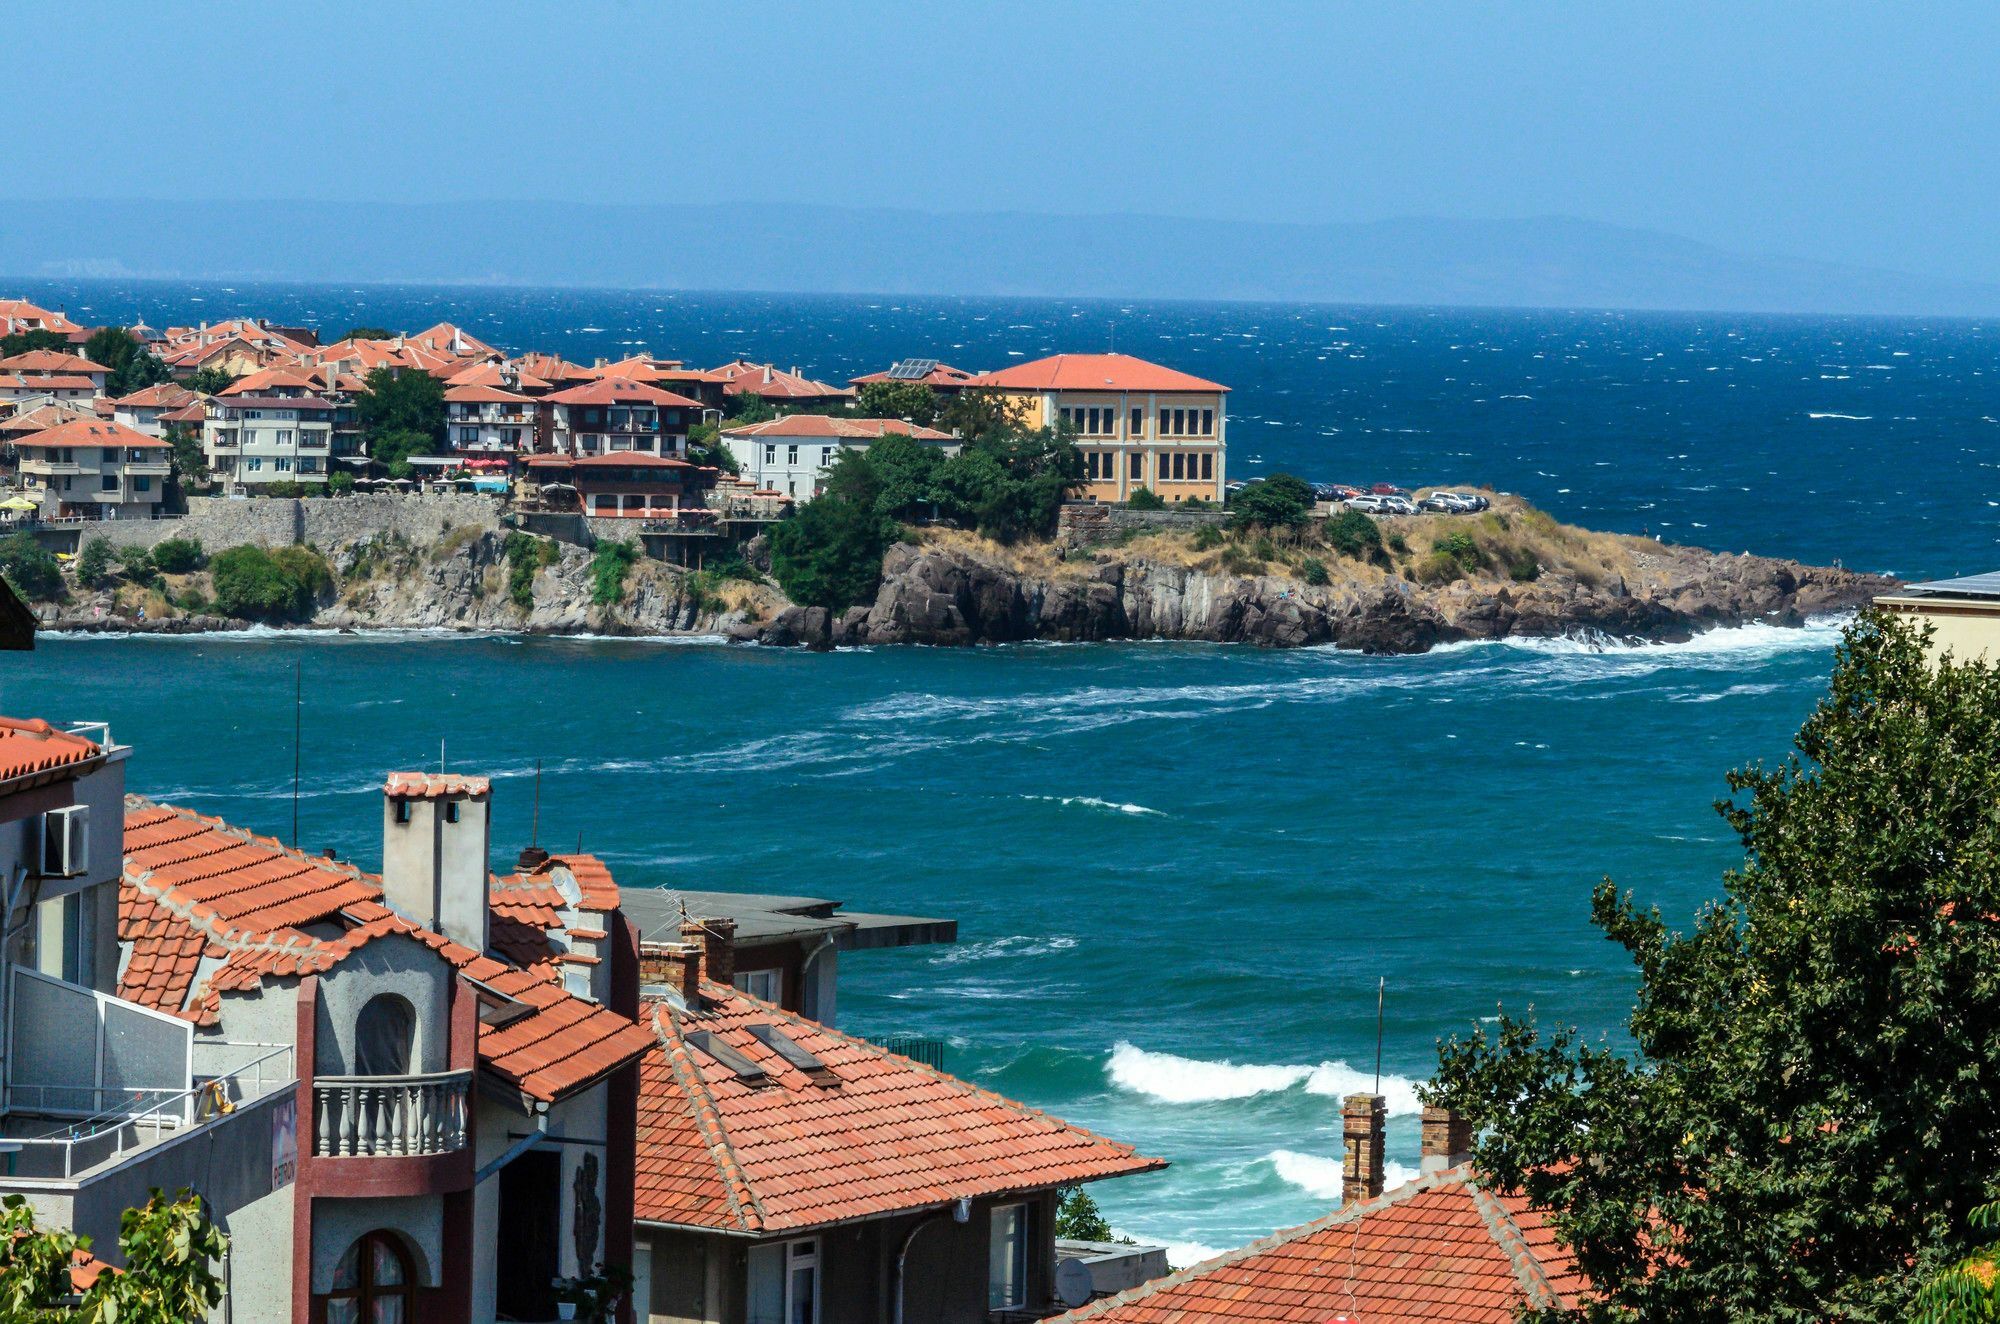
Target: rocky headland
[{"x": 1510, "y": 571}]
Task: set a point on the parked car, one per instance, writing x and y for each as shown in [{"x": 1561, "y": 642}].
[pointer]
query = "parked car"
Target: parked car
[
  {"x": 1368, "y": 503},
  {"x": 1449, "y": 503},
  {"x": 1386, "y": 489}
]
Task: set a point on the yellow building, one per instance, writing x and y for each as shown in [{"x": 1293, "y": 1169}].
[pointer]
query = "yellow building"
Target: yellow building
[
  {"x": 1138, "y": 424},
  {"x": 1964, "y": 615}
]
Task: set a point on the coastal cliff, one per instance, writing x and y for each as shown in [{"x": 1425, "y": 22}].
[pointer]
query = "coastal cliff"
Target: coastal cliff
[
  {"x": 1511, "y": 572},
  {"x": 1547, "y": 580}
]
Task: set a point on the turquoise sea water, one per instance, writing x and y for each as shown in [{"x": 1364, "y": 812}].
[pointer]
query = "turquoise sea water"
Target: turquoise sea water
[{"x": 1179, "y": 870}]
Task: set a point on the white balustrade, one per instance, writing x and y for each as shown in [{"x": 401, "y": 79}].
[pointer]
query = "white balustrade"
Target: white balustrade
[{"x": 389, "y": 1116}]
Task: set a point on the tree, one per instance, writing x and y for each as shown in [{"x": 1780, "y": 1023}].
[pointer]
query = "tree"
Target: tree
[
  {"x": 913, "y": 401},
  {"x": 402, "y": 414},
  {"x": 130, "y": 365},
  {"x": 30, "y": 568},
  {"x": 1280, "y": 501},
  {"x": 93, "y": 563},
  {"x": 170, "y": 1248},
  {"x": 609, "y": 565},
  {"x": 254, "y": 584},
  {"x": 369, "y": 333},
  {"x": 1352, "y": 533},
  {"x": 1810, "y": 1110},
  {"x": 745, "y": 408},
  {"x": 27, "y": 342},
  {"x": 828, "y": 553},
  {"x": 189, "y": 464},
  {"x": 899, "y": 475},
  {"x": 1967, "y": 1292},
  {"x": 705, "y": 447},
  {"x": 978, "y": 412},
  {"x": 177, "y": 556},
  {"x": 208, "y": 381},
  {"x": 1009, "y": 483},
  {"x": 1079, "y": 1219}
]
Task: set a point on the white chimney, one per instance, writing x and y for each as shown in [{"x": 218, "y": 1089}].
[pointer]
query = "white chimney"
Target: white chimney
[{"x": 436, "y": 836}]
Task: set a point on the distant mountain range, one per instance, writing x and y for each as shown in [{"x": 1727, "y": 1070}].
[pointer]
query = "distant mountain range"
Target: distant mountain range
[{"x": 1549, "y": 262}]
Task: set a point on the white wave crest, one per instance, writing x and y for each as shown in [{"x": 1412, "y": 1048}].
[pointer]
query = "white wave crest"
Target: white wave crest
[
  {"x": 1320, "y": 1177},
  {"x": 1173, "y": 1079},
  {"x": 1851, "y": 418},
  {"x": 1092, "y": 802},
  {"x": 996, "y": 948}
]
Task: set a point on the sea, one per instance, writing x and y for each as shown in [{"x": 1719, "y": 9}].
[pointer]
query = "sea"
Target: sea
[{"x": 1202, "y": 891}]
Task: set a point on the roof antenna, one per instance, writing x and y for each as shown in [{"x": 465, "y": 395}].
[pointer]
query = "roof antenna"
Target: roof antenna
[
  {"x": 298, "y": 740},
  {"x": 535, "y": 824},
  {"x": 1381, "y": 983}
]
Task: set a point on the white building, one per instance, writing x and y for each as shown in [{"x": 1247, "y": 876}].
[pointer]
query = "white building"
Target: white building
[
  {"x": 791, "y": 455},
  {"x": 94, "y": 469},
  {"x": 270, "y": 427}
]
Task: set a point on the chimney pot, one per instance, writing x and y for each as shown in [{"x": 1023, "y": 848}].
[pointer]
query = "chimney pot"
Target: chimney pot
[
  {"x": 436, "y": 843},
  {"x": 531, "y": 858},
  {"x": 1447, "y": 1139},
  {"x": 717, "y": 940},
  {"x": 1364, "y": 1120},
  {"x": 675, "y": 965}
]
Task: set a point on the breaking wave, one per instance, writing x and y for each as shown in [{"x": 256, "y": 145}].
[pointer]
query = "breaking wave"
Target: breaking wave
[
  {"x": 1173, "y": 1079},
  {"x": 1320, "y": 1177}
]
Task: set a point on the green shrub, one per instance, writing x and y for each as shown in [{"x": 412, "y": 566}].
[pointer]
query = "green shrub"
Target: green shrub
[
  {"x": 828, "y": 553},
  {"x": 1439, "y": 568},
  {"x": 609, "y": 566},
  {"x": 1145, "y": 498},
  {"x": 1198, "y": 503},
  {"x": 1460, "y": 547},
  {"x": 1237, "y": 561},
  {"x": 30, "y": 568},
  {"x": 339, "y": 483},
  {"x": 193, "y": 601},
  {"x": 526, "y": 554},
  {"x": 1398, "y": 543},
  {"x": 277, "y": 585},
  {"x": 1207, "y": 538},
  {"x": 178, "y": 556},
  {"x": 1523, "y": 568},
  {"x": 93, "y": 564},
  {"x": 1264, "y": 549},
  {"x": 726, "y": 565},
  {"x": 1280, "y": 501},
  {"x": 1352, "y": 533},
  {"x": 1313, "y": 571}
]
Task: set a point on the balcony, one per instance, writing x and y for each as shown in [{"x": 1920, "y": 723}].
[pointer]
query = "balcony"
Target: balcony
[{"x": 389, "y": 1116}]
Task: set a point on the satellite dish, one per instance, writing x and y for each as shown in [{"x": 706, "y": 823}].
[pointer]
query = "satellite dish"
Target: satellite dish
[{"x": 1073, "y": 1283}]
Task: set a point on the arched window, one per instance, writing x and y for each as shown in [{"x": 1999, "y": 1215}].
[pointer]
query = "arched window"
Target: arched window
[
  {"x": 371, "y": 1284},
  {"x": 385, "y": 1037}
]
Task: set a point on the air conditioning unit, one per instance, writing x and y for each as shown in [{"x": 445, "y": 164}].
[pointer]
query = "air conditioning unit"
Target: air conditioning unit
[{"x": 66, "y": 842}]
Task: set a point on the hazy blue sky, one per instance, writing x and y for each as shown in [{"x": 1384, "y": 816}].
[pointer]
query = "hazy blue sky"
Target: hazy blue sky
[{"x": 1827, "y": 131}]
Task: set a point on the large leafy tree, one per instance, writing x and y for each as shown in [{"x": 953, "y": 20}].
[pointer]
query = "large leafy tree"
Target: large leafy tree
[
  {"x": 978, "y": 412},
  {"x": 913, "y": 401},
  {"x": 23, "y": 342},
  {"x": 402, "y": 414},
  {"x": 1280, "y": 501},
  {"x": 133, "y": 367},
  {"x": 1809, "y": 1109},
  {"x": 828, "y": 553},
  {"x": 1010, "y": 483},
  {"x": 171, "y": 1250}
]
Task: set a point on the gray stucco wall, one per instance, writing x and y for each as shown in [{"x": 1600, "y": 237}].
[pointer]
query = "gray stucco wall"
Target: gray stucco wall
[
  {"x": 417, "y": 1221},
  {"x": 390, "y": 964}
]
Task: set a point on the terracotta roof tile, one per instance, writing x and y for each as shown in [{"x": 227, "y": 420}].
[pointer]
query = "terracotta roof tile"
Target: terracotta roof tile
[
  {"x": 1092, "y": 372},
  {"x": 431, "y": 785},
  {"x": 873, "y": 1134},
  {"x": 32, "y": 749},
  {"x": 1441, "y": 1248},
  {"x": 820, "y": 425}
]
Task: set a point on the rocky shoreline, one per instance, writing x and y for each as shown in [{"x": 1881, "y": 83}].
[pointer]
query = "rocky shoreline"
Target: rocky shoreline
[{"x": 954, "y": 590}]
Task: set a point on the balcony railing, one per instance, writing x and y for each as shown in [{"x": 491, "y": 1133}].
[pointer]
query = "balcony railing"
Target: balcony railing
[{"x": 389, "y": 1116}]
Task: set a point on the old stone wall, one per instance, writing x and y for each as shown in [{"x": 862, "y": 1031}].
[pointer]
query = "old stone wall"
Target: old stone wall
[
  {"x": 221, "y": 522},
  {"x": 1082, "y": 523}
]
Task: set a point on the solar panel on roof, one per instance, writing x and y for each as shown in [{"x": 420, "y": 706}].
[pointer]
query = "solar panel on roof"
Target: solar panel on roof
[
  {"x": 783, "y": 1045},
  {"x": 912, "y": 370},
  {"x": 1986, "y": 585}
]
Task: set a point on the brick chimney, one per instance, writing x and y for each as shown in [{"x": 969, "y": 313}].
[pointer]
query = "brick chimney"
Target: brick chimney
[
  {"x": 717, "y": 940},
  {"x": 1364, "y": 1118},
  {"x": 436, "y": 840},
  {"x": 675, "y": 966},
  {"x": 1447, "y": 1139}
]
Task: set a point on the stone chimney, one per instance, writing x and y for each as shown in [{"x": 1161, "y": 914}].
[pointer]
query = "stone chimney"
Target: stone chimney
[
  {"x": 1365, "y": 1117},
  {"x": 1447, "y": 1139},
  {"x": 717, "y": 940},
  {"x": 436, "y": 838}
]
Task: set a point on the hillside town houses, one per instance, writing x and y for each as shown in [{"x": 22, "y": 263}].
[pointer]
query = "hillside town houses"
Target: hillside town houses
[{"x": 260, "y": 408}]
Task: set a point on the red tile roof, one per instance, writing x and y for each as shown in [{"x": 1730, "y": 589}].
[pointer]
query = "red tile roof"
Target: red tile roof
[
  {"x": 195, "y": 887},
  {"x": 1441, "y": 1248},
  {"x": 497, "y": 376},
  {"x": 484, "y": 395},
  {"x": 942, "y": 375},
  {"x": 43, "y": 417},
  {"x": 551, "y": 368},
  {"x": 772, "y": 383},
  {"x": 875, "y": 1133},
  {"x": 28, "y": 381},
  {"x": 266, "y": 380},
  {"x": 91, "y": 432},
  {"x": 34, "y": 752},
  {"x": 619, "y": 390},
  {"x": 160, "y": 395},
  {"x": 822, "y": 426},
  {"x": 20, "y": 310},
  {"x": 431, "y": 785},
  {"x": 1092, "y": 372},
  {"x": 51, "y": 363},
  {"x": 444, "y": 338}
]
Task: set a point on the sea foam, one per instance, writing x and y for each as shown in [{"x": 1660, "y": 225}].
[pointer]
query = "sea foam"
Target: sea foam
[
  {"x": 1320, "y": 1176},
  {"x": 1173, "y": 1079}
]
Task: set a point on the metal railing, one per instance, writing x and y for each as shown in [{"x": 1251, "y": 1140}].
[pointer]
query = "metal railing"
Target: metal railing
[
  {"x": 918, "y": 1048},
  {"x": 389, "y": 1116},
  {"x": 142, "y": 1119}
]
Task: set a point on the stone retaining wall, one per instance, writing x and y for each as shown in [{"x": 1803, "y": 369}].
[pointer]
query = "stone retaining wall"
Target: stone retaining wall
[
  {"x": 221, "y": 522},
  {"x": 1082, "y": 524}
]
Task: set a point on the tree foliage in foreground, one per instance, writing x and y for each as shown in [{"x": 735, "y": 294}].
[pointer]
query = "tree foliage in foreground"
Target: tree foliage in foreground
[
  {"x": 30, "y": 568},
  {"x": 170, "y": 1249},
  {"x": 1811, "y": 1112}
]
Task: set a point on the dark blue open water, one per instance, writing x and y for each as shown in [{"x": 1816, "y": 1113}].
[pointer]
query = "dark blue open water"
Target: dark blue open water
[{"x": 1179, "y": 870}]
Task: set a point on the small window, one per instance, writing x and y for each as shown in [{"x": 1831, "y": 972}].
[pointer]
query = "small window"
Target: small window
[
  {"x": 385, "y": 1037},
  {"x": 402, "y": 811},
  {"x": 1138, "y": 465},
  {"x": 1007, "y": 1259},
  {"x": 1208, "y": 422},
  {"x": 1208, "y": 464},
  {"x": 769, "y": 985},
  {"x": 784, "y": 1283},
  {"x": 1138, "y": 422},
  {"x": 792, "y": 454},
  {"x": 451, "y": 811}
]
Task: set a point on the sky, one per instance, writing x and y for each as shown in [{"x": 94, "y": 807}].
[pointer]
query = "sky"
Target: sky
[{"x": 1832, "y": 131}]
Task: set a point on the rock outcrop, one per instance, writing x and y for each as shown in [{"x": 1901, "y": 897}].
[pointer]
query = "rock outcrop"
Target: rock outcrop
[{"x": 952, "y": 595}]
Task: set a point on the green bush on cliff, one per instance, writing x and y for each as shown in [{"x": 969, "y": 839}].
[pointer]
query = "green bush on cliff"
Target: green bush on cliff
[
  {"x": 1280, "y": 501},
  {"x": 1353, "y": 534},
  {"x": 828, "y": 553},
  {"x": 1460, "y": 547},
  {"x": 30, "y": 568},
  {"x": 177, "y": 556},
  {"x": 1313, "y": 571},
  {"x": 93, "y": 564},
  {"x": 526, "y": 554},
  {"x": 260, "y": 585},
  {"x": 1439, "y": 568},
  {"x": 1523, "y": 568},
  {"x": 609, "y": 565},
  {"x": 1145, "y": 498}
]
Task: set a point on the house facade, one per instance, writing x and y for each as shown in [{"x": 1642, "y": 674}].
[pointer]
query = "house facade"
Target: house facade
[
  {"x": 622, "y": 484},
  {"x": 94, "y": 469},
  {"x": 616, "y": 414},
  {"x": 64, "y": 373},
  {"x": 151, "y": 409},
  {"x": 1962, "y": 615},
  {"x": 1137, "y": 424},
  {"x": 791, "y": 455},
  {"x": 272, "y": 426},
  {"x": 489, "y": 420}
]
